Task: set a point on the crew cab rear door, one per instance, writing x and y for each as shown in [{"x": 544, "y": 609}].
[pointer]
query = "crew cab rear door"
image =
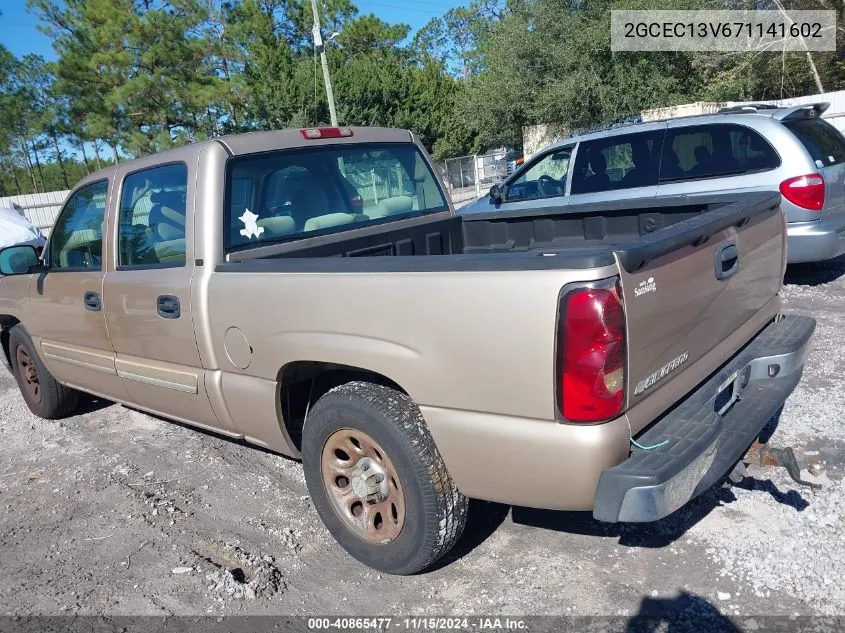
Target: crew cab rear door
[
  {"x": 683, "y": 305},
  {"x": 148, "y": 293}
]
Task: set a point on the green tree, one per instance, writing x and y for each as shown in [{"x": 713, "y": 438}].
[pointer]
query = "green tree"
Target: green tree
[
  {"x": 47, "y": 113},
  {"x": 19, "y": 117},
  {"x": 368, "y": 35},
  {"x": 456, "y": 37},
  {"x": 7, "y": 114},
  {"x": 263, "y": 38},
  {"x": 137, "y": 68},
  {"x": 545, "y": 62}
]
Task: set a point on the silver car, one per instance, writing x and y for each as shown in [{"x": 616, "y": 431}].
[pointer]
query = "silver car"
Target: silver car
[{"x": 746, "y": 148}]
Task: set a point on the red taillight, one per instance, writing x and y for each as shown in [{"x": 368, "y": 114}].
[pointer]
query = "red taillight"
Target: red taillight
[
  {"x": 325, "y": 132},
  {"x": 592, "y": 355},
  {"x": 804, "y": 191}
]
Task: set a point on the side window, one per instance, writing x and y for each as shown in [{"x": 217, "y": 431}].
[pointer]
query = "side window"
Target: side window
[
  {"x": 710, "y": 151},
  {"x": 76, "y": 241},
  {"x": 546, "y": 178},
  {"x": 822, "y": 140},
  {"x": 617, "y": 162},
  {"x": 151, "y": 229}
]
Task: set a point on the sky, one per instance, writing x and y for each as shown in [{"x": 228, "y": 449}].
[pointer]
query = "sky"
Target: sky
[{"x": 19, "y": 32}]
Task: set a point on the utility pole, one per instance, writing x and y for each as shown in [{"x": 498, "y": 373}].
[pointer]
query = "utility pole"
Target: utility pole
[{"x": 318, "y": 42}]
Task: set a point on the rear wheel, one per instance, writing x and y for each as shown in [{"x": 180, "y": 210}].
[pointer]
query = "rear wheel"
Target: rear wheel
[
  {"x": 377, "y": 479},
  {"x": 44, "y": 396},
  {"x": 363, "y": 486}
]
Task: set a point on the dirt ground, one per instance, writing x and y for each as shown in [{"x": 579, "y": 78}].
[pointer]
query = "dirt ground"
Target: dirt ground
[{"x": 113, "y": 512}]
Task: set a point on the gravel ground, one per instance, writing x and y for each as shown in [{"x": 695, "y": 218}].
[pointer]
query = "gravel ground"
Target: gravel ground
[{"x": 113, "y": 512}]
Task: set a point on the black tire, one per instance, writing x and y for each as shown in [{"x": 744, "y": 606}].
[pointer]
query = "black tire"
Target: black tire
[
  {"x": 49, "y": 400},
  {"x": 435, "y": 511}
]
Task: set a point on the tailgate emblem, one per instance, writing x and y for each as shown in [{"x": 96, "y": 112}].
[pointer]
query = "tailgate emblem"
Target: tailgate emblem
[
  {"x": 646, "y": 285},
  {"x": 661, "y": 373}
]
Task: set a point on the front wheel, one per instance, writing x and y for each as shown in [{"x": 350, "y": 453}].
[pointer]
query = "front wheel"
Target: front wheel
[
  {"x": 377, "y": 479},
  {"x": 44, "y": 396}
]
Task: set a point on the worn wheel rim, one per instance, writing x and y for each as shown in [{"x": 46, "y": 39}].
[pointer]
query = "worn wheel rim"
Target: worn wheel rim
[
  {"x": 362, "y": 485},
  {"x": 29, "y": 375}
]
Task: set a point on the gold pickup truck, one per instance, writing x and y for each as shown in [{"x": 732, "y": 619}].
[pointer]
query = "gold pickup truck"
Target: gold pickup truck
[{"x": 313, "y": 292}]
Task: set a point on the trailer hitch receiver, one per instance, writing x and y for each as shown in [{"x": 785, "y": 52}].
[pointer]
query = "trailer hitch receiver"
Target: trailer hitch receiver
[{"x": 765, "y": 455}]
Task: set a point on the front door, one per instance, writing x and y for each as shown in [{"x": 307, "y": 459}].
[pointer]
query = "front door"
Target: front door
[
  {"x": 541, "y": 184},
  {"x": 68, "y": 323},
  {"x": 148, "y": 296}
]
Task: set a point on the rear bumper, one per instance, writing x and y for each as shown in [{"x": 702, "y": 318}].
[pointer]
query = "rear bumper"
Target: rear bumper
[
  {"x": 816, "y": 241},
  {"x": 701, "y": 445}
]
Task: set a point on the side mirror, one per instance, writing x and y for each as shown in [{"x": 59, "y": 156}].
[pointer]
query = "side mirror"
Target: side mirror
[
  {"x": 17, "y": 260},
  {"x": 496, "y": 193}
]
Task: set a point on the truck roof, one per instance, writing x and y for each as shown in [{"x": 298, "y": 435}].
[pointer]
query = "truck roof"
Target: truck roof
[
  {"x": 257, "y": 142},
  {"x": 253, "y": 142}
]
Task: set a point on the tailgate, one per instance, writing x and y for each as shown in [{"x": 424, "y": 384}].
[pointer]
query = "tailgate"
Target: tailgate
[
  {"x": 826, "y": 147},
  {"x": 687, "y": 287},
  {"x": 834, "y": 182}
]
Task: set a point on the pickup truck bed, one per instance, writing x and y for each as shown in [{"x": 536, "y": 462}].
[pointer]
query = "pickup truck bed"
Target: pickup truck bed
[{"x": 582, "y": 237}]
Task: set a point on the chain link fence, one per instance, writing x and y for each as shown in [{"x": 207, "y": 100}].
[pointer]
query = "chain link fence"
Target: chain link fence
[{"x": 468, "y": 178}]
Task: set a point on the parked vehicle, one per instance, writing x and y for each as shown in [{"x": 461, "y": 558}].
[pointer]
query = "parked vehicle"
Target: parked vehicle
[
  {"x": 312, "y": 292},
  {"x": 748, "y": 148},
  {"x": 15, "y": 228}
]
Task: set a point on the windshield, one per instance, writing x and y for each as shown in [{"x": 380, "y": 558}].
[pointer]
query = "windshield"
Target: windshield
[{"x": 291, "y": 194}]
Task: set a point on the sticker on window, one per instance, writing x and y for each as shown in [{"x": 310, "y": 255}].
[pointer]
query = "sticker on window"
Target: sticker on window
[{"x": 251, "y": 228}]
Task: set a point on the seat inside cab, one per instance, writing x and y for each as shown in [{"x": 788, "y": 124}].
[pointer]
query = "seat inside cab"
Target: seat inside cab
[
  {"x": 155, "y": 230},
  {"x": 167, "y": 224}
]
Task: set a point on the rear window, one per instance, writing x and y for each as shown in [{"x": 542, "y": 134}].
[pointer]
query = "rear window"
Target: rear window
[
  {"x": 291, "y": 194},
  {"x": 618, "y": 162},
  {"x": 824, "y": 142},
  {"x": 711, "y": 151}
]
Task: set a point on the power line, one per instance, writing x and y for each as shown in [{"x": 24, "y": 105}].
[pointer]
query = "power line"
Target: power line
[
  {"x": 398, "y": 8},
  {"x": 449, "y": 4}
]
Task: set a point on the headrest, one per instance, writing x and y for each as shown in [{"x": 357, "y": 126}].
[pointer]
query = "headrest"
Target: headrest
[
  {"x": 281, "y": 225},
  {"x": 328, "y": 220},
  {"x": 173, "y": 216},
  {"x": 389, "y": 206},
  {"x": 702, "y": 154},
  {"x": 597, "y": 163}
]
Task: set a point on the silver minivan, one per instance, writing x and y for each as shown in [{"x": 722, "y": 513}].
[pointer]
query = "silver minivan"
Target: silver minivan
[{"x": 745, "y": 148}]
